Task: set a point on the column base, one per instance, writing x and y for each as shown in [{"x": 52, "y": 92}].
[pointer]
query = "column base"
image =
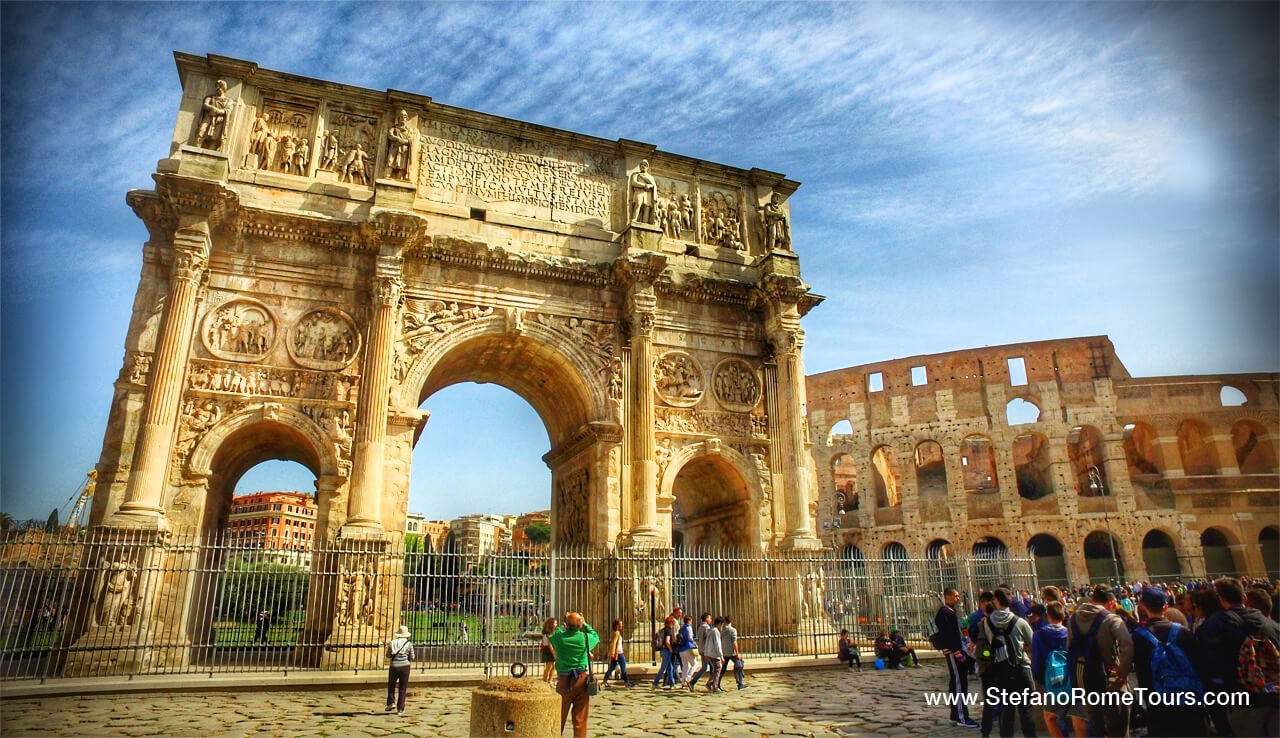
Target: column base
[
  {"x": 355, "y": 647},
  {"x": 145, "y": 519},
  {"x": 800, "y": 542},
  {"x": 646, "y": 537},
  {"x": 362, "y": 531},
  {"x": 106, "y": 651}
]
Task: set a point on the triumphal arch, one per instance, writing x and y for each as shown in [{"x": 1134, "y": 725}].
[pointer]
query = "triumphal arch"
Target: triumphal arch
[{"x": 322, "y": 258}]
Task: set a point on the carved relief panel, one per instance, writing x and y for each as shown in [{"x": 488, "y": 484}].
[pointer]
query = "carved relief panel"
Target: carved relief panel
[
  {"x": 349, "y": 145},
  {"x": 241, "y": 329},
  {"x": 723, "y": 218},
  {"x": 678, "y": 379},
  {"x": 458, "y": 162},
  {"x": 280, "y": 138},
  {"x": 571, "y": 507},
  {"x": 116, "y": 593},
  {"x": 425, "y": 321},
  {"x": 736, "y": 385},
  {"x": 675, "y": 209},
  {"x": 325, "y": 338}
]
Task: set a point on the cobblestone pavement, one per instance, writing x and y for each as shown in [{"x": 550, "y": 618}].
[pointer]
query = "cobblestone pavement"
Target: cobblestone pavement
[{"x": 818, "y": 702}]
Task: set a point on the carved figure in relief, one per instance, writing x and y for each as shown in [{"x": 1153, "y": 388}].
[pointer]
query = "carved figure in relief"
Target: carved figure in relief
[
  {"x": 736, "y": 385},
  {"x": 240, "y": 328},
  {"x": 257, "y": 141},
  {"x": 678, "y": 378},
  {"x": 269, "y": 145},
  {"x": 329, "y": 151},
  {"x": 302, "y": 158},
  {"x": 642, "y": 588},
  {"x": 399, "y": 140},
  {"x": 212, "y": 133},
  {"x": 644, "y": 195},
  {"x": 353, "y": 167},
  {"x": 139, "y": 366},
  {"x": 777, "y": 231},
  {"x": 289, "y": 148},
  {"x": 115, "y": 591},
  {"x": 324, "y": 337},
  {"x": 662, "y": 453},
  {"x": 197, "y": 417},
  {"x": 615, "y": 379}
]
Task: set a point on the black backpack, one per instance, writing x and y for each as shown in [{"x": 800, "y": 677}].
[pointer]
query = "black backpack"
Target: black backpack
[{"x": 999, "y": 649}]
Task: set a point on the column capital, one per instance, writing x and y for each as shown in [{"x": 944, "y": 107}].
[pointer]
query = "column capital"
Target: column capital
[
  {"x": 394, "y": 231},
  {"x": 197, "y": 200}
]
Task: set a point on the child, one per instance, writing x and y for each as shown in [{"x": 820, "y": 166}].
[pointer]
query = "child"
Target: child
[{"x": 848, "y": 651}]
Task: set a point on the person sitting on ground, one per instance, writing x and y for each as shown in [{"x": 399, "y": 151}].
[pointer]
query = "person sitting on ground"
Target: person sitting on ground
[
  {"x": 906, "y": 654},
  {"x": 885, "y": 650},
  {"x": 848, "y": 652}
]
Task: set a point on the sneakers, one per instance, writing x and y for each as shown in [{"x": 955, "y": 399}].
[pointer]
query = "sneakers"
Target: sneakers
[
  {"x": 390, "y": 708},
  {"x": 966, "y": 724},
  {"x": 400, "y": 712}
]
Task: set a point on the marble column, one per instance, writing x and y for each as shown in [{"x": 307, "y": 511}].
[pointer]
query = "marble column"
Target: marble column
[
  {"x": 143, "y": 505},
  {"x": 364, "y": 509},
  {"x": 791, "y": 403},
  {"x": 644, "y": 464}
]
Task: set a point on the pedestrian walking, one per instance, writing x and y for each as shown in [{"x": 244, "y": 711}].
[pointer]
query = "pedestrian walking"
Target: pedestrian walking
[
  {"x": 617, "y": 656},
  {"x": 665, "y": 641},
  {"x": 685, "y": 644},
  {"x": 546, "y": 652},
  {"x": 1100, "y": 657},
  {"x": 1004, "y": 640},
  {"x": 462, "y": 632},
  {"x": 729, "y": 642},
  {"x": 949, "y": 639},
  {"x": 573, "y": 643},
  {"x": 264, "y": 625},
  {"x": 400, "y": 651},
  {"x": 700, "y": 638}
]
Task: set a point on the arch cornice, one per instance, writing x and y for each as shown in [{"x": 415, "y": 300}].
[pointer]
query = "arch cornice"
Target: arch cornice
[
  {"x": 200, "y": 461},
  {"x": 589, "y": 368}
]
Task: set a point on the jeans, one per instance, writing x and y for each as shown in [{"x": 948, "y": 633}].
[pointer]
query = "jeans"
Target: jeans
[
  {"x": 706, "y": 666},
  {"x": 737, "y": 668},
  {"x": 619, "y": 662},
  {"x": 1016, "y": 679},
  {"x": 666, "y": 672}
]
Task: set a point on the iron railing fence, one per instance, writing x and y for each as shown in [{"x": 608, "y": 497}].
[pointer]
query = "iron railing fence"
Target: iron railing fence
[{"x": 103, "y": 602}]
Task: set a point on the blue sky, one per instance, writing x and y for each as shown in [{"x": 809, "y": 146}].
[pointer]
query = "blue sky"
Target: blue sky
[{"x": 973, "y": 174}]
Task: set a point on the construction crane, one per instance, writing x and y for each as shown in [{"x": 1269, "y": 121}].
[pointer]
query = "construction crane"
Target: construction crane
[{"x": 82, "y": 500}]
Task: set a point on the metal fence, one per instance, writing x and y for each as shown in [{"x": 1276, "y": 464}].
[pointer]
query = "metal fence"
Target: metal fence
[{"x": 116, "y": 603}]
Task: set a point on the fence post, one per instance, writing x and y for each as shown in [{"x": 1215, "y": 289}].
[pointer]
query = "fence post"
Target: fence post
[{"x": 768, "y": 607}]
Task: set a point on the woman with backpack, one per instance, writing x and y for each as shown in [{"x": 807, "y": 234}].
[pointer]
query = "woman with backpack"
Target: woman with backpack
[
  {"x": 400, "y": 651},
  {"x": 1049, "y": 668}
]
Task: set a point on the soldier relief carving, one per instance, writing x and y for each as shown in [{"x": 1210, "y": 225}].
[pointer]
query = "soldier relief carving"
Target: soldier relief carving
[
  {"x": 736, "y": 385},
  {"x": 356, "y": 594},
  {"x": 115, "y": 590},
  {"x": 218, "y": 377},
  {"x": 679, "y": 379},
  {"x": 324, "y": 339},
  {"x": 399, "y": 148},
  {"x": 571, "y": 507},
  {"x": 212, "y": 133},
  {"x": 722, "y": 221},
  {"x": 425, "y": 321},
  {"x": 278, "y": 139},
  {"x": 240, "y": 330}
]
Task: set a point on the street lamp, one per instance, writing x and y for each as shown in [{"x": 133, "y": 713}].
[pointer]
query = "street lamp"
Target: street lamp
[{"x": 1099, "y": 489}]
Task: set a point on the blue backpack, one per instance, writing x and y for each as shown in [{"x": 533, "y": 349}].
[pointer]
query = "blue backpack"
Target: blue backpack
[
  {"x": 1171, "y": 670},
  {"x": 1057, "y": 675}
]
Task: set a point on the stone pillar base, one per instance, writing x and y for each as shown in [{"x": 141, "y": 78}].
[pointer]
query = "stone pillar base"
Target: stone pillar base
[
  {"x": 354, "y": 648},
  {"x": 107, "y": 650},
  {"x": 516, "y": 707}
]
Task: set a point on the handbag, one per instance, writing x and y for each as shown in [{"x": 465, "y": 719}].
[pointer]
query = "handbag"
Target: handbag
[{"x": 590, "y": 686}]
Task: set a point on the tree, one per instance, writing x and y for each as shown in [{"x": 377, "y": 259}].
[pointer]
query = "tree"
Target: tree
[
  {"x": 249, "y": 587},
  {"x": 7, "y": 522},
  {"x": 538, "y": 533},
  {"x": 51, "y": 525}
]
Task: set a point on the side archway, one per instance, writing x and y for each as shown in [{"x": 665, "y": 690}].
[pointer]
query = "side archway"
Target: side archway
[
  {"x": 1220, "y": 553},
  {"x": 719, "y": 496},
  {"x": 1051, "y": 564},
  {"x": 1160, "y": 555}
]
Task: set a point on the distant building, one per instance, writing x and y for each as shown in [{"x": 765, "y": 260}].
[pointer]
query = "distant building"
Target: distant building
[
  {"x": 477, "y": 535},
  {"x": 283, "y": 523},
  {"x": 432, "y": 532},
  {"x": 518, "y": 538}
]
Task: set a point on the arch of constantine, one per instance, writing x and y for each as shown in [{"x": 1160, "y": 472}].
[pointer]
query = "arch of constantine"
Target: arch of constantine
[{"x": 323, "y": 258}]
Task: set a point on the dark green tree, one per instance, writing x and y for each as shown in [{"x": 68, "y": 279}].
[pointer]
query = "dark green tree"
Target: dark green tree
[
  {"x": 51, "y": 525},
  {"x": 538, "y": 533}
]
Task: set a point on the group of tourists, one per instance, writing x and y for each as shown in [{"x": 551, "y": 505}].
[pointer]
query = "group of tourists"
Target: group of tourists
[
  {"x": 680, "y": 645},
  {"x": 1078, "y": 655}
]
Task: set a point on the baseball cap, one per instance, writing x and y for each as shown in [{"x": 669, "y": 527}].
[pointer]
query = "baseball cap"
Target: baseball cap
[{"x": 1154, "y": 598}]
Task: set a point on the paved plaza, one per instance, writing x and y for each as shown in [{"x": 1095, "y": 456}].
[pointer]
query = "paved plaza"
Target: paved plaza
[{"x": 817, "y": 702}]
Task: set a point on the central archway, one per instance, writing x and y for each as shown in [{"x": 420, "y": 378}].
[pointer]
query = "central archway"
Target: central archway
[{"x": 565, "y": 386}]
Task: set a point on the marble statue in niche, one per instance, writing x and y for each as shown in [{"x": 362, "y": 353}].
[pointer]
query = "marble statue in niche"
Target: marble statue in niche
[
  {"x": 212, "y": 133},
  {"x": 399, "y": 142},
  {"x": 777, "y": 231},
  {"x": 115, "y": 595},
  {"x": 353, "y": 167},
  {"x": 644, "y": 195}
]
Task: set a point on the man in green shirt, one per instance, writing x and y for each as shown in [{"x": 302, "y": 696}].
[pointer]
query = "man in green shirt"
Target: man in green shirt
[{"x": 572, "y": 643}]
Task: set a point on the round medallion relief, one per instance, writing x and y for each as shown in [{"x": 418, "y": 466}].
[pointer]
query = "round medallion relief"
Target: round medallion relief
[
  {"x": 242, "y": 329},
  {"x": 736, "y": 384},
  {"x": 678, "y": 379},
  {"x": 325, "y": 338}
]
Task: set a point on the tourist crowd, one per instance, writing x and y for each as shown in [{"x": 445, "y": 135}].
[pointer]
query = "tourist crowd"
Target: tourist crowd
[{"x": 1191, "y": 658}]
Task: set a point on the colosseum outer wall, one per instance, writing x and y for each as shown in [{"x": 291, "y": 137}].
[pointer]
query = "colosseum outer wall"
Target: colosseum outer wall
[{"x": 924, "y": 452}]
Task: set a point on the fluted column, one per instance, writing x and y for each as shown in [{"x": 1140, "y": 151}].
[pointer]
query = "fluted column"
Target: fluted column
[
  {"x": 143, "y": 495},
  {"x": 795, "y": 469},
  {"x": 364, "y": 509},
  {"x": 644, "y": 463}
]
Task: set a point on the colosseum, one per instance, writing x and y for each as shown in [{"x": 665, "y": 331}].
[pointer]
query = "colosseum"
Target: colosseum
[{"x": 1051, "y": 447}]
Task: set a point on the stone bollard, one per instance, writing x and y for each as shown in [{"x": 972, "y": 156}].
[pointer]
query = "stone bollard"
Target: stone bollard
[{"x": 529, "y": 708}]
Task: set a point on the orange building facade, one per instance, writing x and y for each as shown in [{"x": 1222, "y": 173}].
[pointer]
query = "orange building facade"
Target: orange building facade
[{"x": 283, "y": 522}]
